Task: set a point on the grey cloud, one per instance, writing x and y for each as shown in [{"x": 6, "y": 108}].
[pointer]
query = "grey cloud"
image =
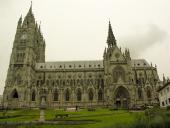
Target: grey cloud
[{"x": 142, "y": 38}]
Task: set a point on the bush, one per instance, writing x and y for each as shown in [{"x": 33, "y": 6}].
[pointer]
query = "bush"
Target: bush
[
  {"x": 91, "y": 109},
  {"x": 168, "y": 107},
  {"x": 151, "y": 112},
  {"x": 157, "y": 122},
  {"x": 113, "y": 109}
]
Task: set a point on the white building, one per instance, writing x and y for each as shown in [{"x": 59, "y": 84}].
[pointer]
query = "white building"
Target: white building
[{"x": 164, "y": 95}]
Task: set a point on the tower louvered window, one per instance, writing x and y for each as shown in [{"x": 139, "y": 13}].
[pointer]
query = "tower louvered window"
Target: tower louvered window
[{"x": 20, "y": 57}]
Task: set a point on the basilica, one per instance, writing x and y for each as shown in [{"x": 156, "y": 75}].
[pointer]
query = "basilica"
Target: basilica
[{"x": 117, "y": 80}]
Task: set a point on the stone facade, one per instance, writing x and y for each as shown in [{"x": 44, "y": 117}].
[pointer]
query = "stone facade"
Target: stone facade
[{"x": 117, "y": 80}]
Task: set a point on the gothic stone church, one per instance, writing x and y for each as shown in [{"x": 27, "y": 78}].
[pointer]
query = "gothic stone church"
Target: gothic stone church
[{"x": 117, "y": 80}]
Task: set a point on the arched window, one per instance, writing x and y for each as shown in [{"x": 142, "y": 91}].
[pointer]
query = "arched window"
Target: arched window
[
  {"x": 63, "y": 82},
  {"x": 33, "y": 96},
  {"x": 38, "y": 82},
  {"x": 18, "y": 79},
  {"x": 148, "y": 92},
  {"x": 118, "y": 72},
  {"x": 100, "y": 95},
  {"x": 55, "y": 95},
  {"x": 78, "y": 95},
  {"x": 90, "y": 95},
  {"x": 67, "y": 95},
  {"x": 14, "y": 94},
  {"x": 140, "y": 95}
]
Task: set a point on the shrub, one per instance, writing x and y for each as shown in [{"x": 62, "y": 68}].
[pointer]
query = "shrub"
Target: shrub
[
  {"x": 157, "y": 122},
  {"x": 91, "y": 109},
  {"x": 168, "y": 107},
  {"x": 151, "y": 112}
]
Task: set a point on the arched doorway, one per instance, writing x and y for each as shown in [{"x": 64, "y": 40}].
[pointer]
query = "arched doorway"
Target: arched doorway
[
  {"x": 15, "y": 99},
  {"x": 15, "y": 94},
  {"x": 122, "y": 97}
]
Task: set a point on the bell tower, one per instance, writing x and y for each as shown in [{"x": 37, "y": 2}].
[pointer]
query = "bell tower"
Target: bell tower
[
  {"x": 28, "y": 49},
  {"x": 117, "y": 71}
]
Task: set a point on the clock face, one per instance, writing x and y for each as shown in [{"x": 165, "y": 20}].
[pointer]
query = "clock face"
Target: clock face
[
  {"x": 117, "y": 55},
  {"x": 24, "y": 36}
]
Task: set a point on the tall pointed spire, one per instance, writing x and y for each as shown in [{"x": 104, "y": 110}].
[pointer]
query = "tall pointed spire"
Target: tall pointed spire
[
  {"x": 29, "y": 20},
  {"x": 110, "y": 38},
  {"x": 30, "y": 10}
]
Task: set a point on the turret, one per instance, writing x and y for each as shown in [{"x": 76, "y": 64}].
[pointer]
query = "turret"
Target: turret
[{"x": 127, "y": 54}]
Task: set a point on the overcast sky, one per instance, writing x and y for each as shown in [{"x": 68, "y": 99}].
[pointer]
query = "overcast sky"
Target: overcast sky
[{"x": 77, "y": 29}]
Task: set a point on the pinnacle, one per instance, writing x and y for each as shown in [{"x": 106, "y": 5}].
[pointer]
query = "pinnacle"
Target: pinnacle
[
  {"x": 30, "y": 10},
  {"x": 110, "y": 39}
]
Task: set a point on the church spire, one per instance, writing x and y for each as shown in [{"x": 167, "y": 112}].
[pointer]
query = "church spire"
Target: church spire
[
  {"x": 30, "y": 13},
  {"x": 30, "y": 10},
  {"x": 29, "y": 20},
  {"x": 110, "y": 38}
]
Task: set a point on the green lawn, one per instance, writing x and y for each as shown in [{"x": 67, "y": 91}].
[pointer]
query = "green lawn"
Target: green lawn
[
  {"x": 20, "y": 115},
  {"x": 102, "y": 118}
]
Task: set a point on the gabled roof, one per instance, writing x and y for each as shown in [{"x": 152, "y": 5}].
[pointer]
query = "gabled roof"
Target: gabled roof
[{"x": 85, "y": 64}]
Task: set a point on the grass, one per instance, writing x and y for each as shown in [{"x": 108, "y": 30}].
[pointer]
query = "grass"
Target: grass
[
  {"x": 101, "y": 118},
  {"x": 20, "y": 115}
]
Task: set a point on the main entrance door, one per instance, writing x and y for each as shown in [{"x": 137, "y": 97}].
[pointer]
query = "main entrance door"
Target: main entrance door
[{"x": 122, "y": 97}]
